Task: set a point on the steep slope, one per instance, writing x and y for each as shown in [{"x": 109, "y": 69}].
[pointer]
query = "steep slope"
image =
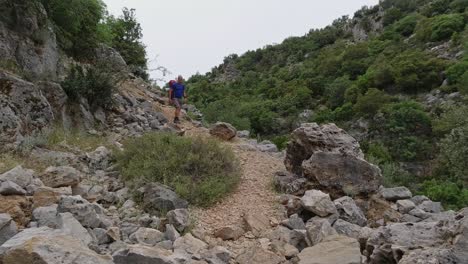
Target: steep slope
[{"x": 392, "y": 75}]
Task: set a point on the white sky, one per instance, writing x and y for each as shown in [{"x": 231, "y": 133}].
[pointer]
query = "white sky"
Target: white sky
[{"x": 190, "y": 36}]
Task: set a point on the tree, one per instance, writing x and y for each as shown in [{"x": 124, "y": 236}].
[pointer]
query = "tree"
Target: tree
[{"x": 127, "y": 34}]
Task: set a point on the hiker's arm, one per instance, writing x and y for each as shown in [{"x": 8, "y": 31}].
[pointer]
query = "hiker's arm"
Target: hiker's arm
[{"x": 170, "y": 95}]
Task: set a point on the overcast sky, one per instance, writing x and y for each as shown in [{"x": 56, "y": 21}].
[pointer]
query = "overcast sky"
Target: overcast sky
[{"x": 190, "y": 36}]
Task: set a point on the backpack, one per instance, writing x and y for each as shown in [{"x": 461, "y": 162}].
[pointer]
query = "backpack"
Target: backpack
[{"x": 171, "y": 83}]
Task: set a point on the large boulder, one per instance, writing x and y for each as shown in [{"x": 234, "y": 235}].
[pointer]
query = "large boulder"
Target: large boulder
[
  {"x": 331, "y": 160},
  {"x": 223, "y": 131},
  {"x": 333, "y": 250},
  {"x": 256, "y": 222},
  {"x": 394, "y": 194},
  {"x": 311, "y": 138},
  {"x": 179, "y": 218},
  {"x": 341, "y": 174},
  {"x": 147, "y": 236},
  {"x": 18, "y": 207},
  {"x": 158, "y": 198},
  {"x": 259, "y": 255},
  {"x": 18, "y": 175},
  {"x": 48, "y": 246},
  {"x": 318, "y": 229}
]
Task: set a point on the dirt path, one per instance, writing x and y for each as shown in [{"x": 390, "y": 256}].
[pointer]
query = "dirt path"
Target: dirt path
[{"x": 255, "y": 192}]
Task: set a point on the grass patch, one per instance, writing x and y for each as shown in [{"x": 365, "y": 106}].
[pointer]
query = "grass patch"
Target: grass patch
[
  {"x": 200, "y": 170},
  {"x": 8, "y": 162}
]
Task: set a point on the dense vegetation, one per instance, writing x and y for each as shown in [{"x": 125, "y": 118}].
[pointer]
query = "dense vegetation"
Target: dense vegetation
[
  {"x": 373, "y": 84},
  {"x": 199, "y": 170},
  {"x": 82, "y": 25}
]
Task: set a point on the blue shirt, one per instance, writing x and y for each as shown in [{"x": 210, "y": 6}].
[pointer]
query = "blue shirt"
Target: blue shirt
[{"x": 178, "y": 90}]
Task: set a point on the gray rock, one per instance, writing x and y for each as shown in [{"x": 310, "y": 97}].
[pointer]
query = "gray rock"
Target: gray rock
[
  {"x": 166, "y": 244},
  {"x": 46, "y": 216},
  {"x": 7, "y": 228},
  {"x": 127, "y": 229},
  {"x": 349, "y": 211},
  {"x": 405, "y": 206},
  {"x": 223, "y": 131},
  {"x": 419, "y": 213},
  {"x": 70, "y": 226},
  {"x": 395, "y": 194},
  {"x": 256, "y": 222},
  {"x": 289, "y": 183},
  {"x": 99, "y": 159},
  {"x": 404, "y": 237},
  {"x": 347, "y": 229},
  {"x": 171, "y": 233},
  {"x": 431, "y": 207},
  {"x": 429, "y": 256},
  {"x": 340, "y": 174},
  {"x": 142, "y": 254},
  {"x": 159, "y": 198},
  {"x": 62, "y": 176},
  {"x": 294, "y": 222},
  {"x": 217, "y": 255},
  {"x": 267, "y": 146},
  {"x": 147, "y": 236},
  {"x": 189, "y": 245},
  {"x": 11, "y": 188},
  {"x": 318, "y": 229},
  {"x": 311, "y": 138},
  {"x": 333, "y": 250},
  {"x": 418, "y": 199},
  {"x": 283, "y": 235},
  {"x": 318, "y": 203},
  {"x": 100, "y": 236},
  {"x": 179, "y": 218},
  {"x": 243, "y": 134},
  {"x": 18, "y": 175},
  {"x": 229, "y": 232},
  {"x": 45, "y": 245},
  {"x": 88, "y": 214},
  {"x": 259, "y": 255}
]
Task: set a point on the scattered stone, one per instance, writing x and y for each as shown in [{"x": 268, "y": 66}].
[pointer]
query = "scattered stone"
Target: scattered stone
[
  {"x": 7, "y": 228},
  {"x": 179, "y": 218},
  {"x": 318, "y": 203},
  {"x": 45, "y": 245},
  {"x": 62, "y": 176},
  {"x": 395, "y": 194},
  {"x": 11, "y": 188},
  {"x": 88, "y": 214},
  {"x": 347, "y": 229},
  {"x": 333, "y": 250},
  {"x": 142, "y": 254},
  {"x": 147, "y": 236},
  {"x": 99, "y": 159},
  {"x": 223, "y": 131},
  {"x": 243, "y": 134},
  {"x": 229, "y": 233},
  {"x": 70, "y": 226},
  {"x": 18, "y": 207},
  {"x": 294, "y": 222},
  {"x": 46, "y": 216},
  {"x": 100, "y": 236},
  {"x": 289, "y": 183},
  {"x": 419, "y": 199},
  {"x": 189, "y": 245},
  {"x": 18, "y": 175},
  {"x": 46, "y": 196},
  {"x": 349, "y": 211},
  {"x": 259, "y": 255},
  {"x": 256, "y": 222},
  {"x": 113, "y": 233},
  {"x": 318, "y": 229},
  {"x": 171, "y": 233},
  {"x": 405, "y": 206},
  {"x": 431, "y": 207},
  {"x": 159, "y": 198}
]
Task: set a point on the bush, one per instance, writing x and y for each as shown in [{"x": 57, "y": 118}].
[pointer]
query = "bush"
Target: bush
[
  {"x": 452, "y": 195},
  {"x": 95, "y": 84},
  {"x": 455, "y": 72},
  {"x": 370, "y": 103},
  {"x": 441, "y": 27},
  {"x": 453, "y": 116},
  {"x": 77, "y": 24},
  {"x": 453, "y": 156},
  {"x": 378, "y": 152},
  {"x": 200, "y": 170},
  {"x": 391, "y": 15},
  {"x": 407, "y": 25}
]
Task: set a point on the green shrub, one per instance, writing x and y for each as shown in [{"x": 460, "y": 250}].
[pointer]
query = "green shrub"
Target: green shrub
[
  {"x": 394, "y": 176},
  {"x": 95, "y": 84},
  {"x": 453, "y": 116},
  {"x": 407, "y": 25},
  {"x": 459, "y": 5},
  {"x": 370, "y": 103},
  {"x": 441, "y": 27},
  {"x": 452, "y": 195},
  {"x": 454, "y": 154},
  {"x": 378, "y": 152},
  {"x": 455, "y": 72},
  {"x": 391, "y": 15},
  {"x": 200, "y": 170},
  {"x": 280, "y": 141}
]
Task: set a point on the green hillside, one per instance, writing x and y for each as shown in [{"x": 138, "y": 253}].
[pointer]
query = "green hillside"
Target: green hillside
[{"x": 395, "y": 75}]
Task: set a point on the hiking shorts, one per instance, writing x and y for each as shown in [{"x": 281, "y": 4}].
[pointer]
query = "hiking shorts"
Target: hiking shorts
[{"x": 177, "y": 102}]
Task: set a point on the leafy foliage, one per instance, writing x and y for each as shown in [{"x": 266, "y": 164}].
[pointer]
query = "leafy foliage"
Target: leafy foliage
[{"x": 200, "y": 170}]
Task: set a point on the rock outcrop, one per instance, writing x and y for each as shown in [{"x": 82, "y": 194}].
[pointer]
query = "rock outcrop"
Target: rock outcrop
[{"x": 223, "y": 131}]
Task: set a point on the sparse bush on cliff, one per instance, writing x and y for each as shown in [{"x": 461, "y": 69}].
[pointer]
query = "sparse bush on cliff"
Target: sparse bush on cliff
[{"x": 200, "y": 170}]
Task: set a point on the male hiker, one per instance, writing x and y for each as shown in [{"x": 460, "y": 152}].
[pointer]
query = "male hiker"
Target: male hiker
[{"x": 176, "y": 95}]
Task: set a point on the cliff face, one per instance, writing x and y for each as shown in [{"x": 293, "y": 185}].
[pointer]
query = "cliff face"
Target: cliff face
[{"x": 27, "y": 41}]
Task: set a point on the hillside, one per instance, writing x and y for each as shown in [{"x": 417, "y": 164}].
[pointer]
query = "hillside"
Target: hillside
[
  {"x": 93, "y": 171},
  {"x": 395, "y": 75}
]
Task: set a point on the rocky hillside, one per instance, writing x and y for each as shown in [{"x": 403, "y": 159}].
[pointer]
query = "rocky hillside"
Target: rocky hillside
[{"x": 394, "y": 76}]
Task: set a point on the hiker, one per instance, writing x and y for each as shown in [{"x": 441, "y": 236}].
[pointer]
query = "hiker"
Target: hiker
[{"x": 176, "y": 96}]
